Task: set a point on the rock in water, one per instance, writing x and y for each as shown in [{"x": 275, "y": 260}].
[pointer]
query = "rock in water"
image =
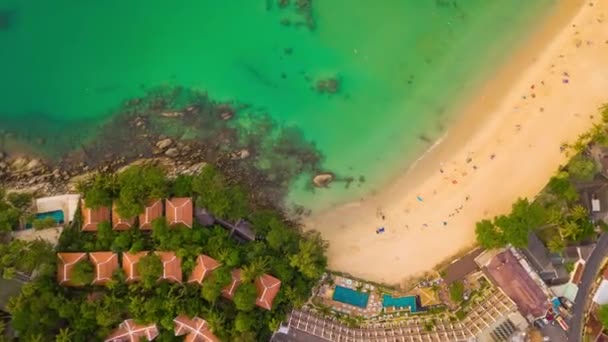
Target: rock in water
[
  {"x": 163, "y": 144},
  {"x": 172, "y": 152},
  {"x": 322, "y": 180}
]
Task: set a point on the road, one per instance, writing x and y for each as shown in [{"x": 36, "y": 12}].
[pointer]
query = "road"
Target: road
[{"x": 589, "y": 275}]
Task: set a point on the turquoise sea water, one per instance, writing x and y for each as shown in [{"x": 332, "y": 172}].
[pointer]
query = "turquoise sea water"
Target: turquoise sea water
[{"x": 66, "y": 65}]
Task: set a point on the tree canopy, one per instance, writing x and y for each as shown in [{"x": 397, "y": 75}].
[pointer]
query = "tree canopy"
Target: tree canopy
[
  {"x": 582, "y": 168},
  {"x": 137, "y": 185}
]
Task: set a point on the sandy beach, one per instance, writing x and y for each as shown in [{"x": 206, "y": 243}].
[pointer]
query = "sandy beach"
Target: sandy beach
[{"x": 505, "y": 145}]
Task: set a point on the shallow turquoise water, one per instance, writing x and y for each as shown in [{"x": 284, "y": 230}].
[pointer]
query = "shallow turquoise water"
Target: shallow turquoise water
[{"x": 401, "y": 63}]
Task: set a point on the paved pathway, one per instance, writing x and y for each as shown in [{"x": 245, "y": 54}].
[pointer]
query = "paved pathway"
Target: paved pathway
[{"x": 589, "y": 275}]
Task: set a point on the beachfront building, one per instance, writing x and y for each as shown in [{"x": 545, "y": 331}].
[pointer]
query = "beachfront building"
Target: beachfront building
[
  {"x": 152, "y": 211},
  {"x": 203, "y": 269},
  {"x": 65, "y": 266},
  {"x": 594, "y": 197},
  {"x": 267, "y": 288},
  {"x": 179, "y": 210},
  {"x": 172, "y": 266},
  {"x": 241, "y": 230},
  {"x": 129, "y": 331},
  {"x": 549, "y": 266},
  {"x": 121, "y": 223},
  {"x": 105, "y": 264},
  {"x": 129, "y": 265},
  {"x": 91, "y": 217},
  {"x": 194, "y": 329}
]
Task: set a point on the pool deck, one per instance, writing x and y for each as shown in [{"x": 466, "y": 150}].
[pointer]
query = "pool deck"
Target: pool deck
[
  {"x": 66, "y": 203},
  {"x": 374, "y": 304}
]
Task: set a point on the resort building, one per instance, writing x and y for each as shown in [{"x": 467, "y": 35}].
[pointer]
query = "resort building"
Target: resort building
[
  {"x": 203, "y": 269},
  {"x": 203, "y": 217},
  {"x": 152, "y": 211},
  {"x": 129, "y": 264},
  {"x": 65, "y": 265},
  {"x": 462, "y": 267},
  {"x": 594, "y": 197},
  {"x": 228, "y": 291},
  {"x": 129, "y": 331},
  {"x": 549, "y": 266},
  {"x": 241, "y": 230},
  {"x": 195, "y": 329},
  {"x": 120, "y": 223},
  {"x": 92, "y": 217},
  {"x": 105, "y": 264},
  {"x": 172, "y": 266},
  {"x": 267, "y": 287},
  {"x": 179, "y": 210}
]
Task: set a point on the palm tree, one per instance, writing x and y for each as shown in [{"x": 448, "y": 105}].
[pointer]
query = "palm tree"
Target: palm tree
[
  {"x": 35, "y": 338},
  {"x": 255, "y": 269},
  {"x": 556, "y": 244},
  {"x": 578, "y": 213},
  {"x": 569, "y": 230},
  {"x": 65, "y": 335},
  {"x": 216, "y": 320}
]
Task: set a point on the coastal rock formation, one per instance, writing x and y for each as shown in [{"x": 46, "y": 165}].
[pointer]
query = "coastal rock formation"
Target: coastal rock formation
[
  {"x": 322, "y": 180},
  {"x": 163, "y": 144},
  {"x": 242, "y": 154},
  {"x": 172, "y": 152}
]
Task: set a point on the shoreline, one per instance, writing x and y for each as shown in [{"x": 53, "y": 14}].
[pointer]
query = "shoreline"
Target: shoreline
[{"x": 497, "y": 122}]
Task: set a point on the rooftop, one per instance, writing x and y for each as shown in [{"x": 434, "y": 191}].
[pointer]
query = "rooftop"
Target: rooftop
[
  {"x": 196, "y": 329},
  {"x": 229, "y": 290},
  {"x": 152, "y": 211},
  {"x": 460, "y": 268},
  {"x": 203, "y": 269},
  {"x": 129, "y": 264},
  {"x": 65, "y": 265},
  {"x": 506, "y": 271},
  {"x": 119, "y": 223},
  {"x": 539, "y": 257},
  {"x": 268, "y": 287},
  {"x": 172, "y": 266},
  {"x": 129, "y": 331},
  {"x": 92, "y": 217},
  {"x": 105, "y": 264},
  {"x": 179, "y": 210}
]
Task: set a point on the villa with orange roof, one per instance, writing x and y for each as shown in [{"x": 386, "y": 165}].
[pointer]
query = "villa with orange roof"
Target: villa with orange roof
[
  {"x": 203, "y": 269},
  {"x": 152, "y": 211},
  {"x": 65, "y": 265},
  {"x": 129, "y": 331},
  {"x": 196, "y": 329},
  {"x": 267, "y": 287},
  {"x": 92, "y": 217},
  {"x": 230, "y": 290},
  {"x": 179, "y": 210},
  {"x": 120, "y": 223},
  {"x": 129, "y": 264},
  {"x": 172, "y": 266},
  {"x": 105, "y": 264}
]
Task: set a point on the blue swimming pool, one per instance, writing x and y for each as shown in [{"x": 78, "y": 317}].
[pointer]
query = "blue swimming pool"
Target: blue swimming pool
[
  {"x": 57, "y": 215},
  {"x": 400, "y": 302},
  {"x": 350, "y": 297}
]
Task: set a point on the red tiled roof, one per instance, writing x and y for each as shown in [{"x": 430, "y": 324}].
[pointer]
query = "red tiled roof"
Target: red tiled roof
[
  {"x": 119, "y": 223},
  {"x": 172, "y": 266},
  {"x": 203, "y": 269},
  {"x": 129, "y": 331},
  {"x": 605, "y": 274},
  {"x": 179, "y": 210},
  {"x": 195, "y": 329},
  {"x": 92, "y": 217},
  {"x": 578, "y": 273},
  {"x": 129, "y": 264},
  {"x": 153, "y": 210},
  {"x": 268, "y": 287},
  {"x": 105, "y": 264},
  {"x": 65, "y": 265},
  {"x": 229, "y": 290}
]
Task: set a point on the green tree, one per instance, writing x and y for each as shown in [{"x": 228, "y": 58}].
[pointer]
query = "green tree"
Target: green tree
[
  {"x": 310, "y": 259},
  {"x": 556, "y": 244},
  {"x": 182, "y": 186},
  {"x": 82, "y": 273},
  {"x": 65, "y": 335},
  {"x": 47, "y": 222},
  {"x": 244, "y": 298},
  {"x": 579, "y": 213},
  {"x": 488, "y": 235},
  {"x": 105, "y": 236},
  {"x": 243, "y": 321},
  {"x": 216, "y": 195},
  {"x": 457, "y": 291},
  {"x": 99, "y": 191},
  {"x": 255, "y": 269},
  {"x": 20, "y": 200},
  {"x": 561, "y": 187},
  {"x": 582, "y": 168},
  {"x": 602, "y": 315},
  {"x": 137, "y": 185},
  {"x": 150, "y": 269},
  {"x": 523, "y": 219},
  {"x": 212, "y": 287}
]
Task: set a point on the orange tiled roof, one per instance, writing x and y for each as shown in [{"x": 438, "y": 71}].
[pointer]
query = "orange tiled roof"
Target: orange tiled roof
[
  {"x": 172, "y": 266},
  {"x": 179, "y": 210},
  {"x": 105, "y": 264},
  {"x": 153, "y": 210},
  {"x": 119, "y": 223},
  {"x": 267, "y": 287},
  {"x": 92, "y": 217},
  {"x": 578, "y": 273},
  {"x": 65, "y": 265},
  {"x": 129, "y": 264},
  {"x": 203, "y": 269},
  {"x": 229, "y": 290},
  {"x": 196, "y": 329},
  {"x": 129, "y": 331}
]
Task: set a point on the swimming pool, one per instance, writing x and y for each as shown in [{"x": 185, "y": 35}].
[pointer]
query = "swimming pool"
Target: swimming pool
[
  {"x": 350, "y": 297},
  {"x": 57, "y": 215},
  {"x": 400, "y": 302}
]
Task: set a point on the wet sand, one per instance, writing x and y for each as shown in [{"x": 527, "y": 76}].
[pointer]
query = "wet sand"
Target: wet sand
[{"x": 505, "y": 145}]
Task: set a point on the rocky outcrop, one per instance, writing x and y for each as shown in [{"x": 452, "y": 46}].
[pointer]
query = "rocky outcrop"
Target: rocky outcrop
[
  {"x": 322, "y": 180},
  {"x": 164, "y": 143},
  {"x": 172, "y": 152}
]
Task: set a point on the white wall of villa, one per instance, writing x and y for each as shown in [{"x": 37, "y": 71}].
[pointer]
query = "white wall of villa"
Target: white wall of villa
[{"x": 67, "y": 203}]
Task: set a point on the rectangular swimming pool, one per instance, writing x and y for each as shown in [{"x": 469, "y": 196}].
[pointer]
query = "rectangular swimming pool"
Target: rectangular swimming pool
[
  {"x": 400, "y": 302},
  {"x": 57, "y": 215},
  {"x": 350, "y": 297}
]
